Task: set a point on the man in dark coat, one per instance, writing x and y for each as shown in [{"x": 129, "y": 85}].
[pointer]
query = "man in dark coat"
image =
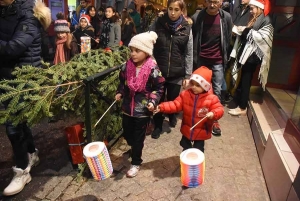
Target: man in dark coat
[
  {"x": 20, "y": 44},
  {"x": 212, "y": 34},
  {"x": 241, "y": 14}
]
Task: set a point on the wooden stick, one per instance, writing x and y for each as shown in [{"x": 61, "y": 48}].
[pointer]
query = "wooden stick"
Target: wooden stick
[
  {"x": 105, "y": 113},
  {"x": 90, "y": 37},
  {"x": 198, "y": 122}
]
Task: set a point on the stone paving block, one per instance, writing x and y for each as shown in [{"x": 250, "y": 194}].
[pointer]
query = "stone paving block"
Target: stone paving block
[
  {"x": 66, "y": 170},
  {"x": 57, "y": 191},
  {"x": 48, "y": 187},
  {"x": 71, "y": 189}
]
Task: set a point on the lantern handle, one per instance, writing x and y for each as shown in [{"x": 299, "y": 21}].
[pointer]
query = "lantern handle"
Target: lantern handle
[
  {"x": 104, "y": 113},
  {"x": 198, "y": 123}
]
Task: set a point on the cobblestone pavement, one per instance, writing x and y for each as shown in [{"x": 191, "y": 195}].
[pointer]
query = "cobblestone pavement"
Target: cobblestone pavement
[{"x": 233, "y": 172}]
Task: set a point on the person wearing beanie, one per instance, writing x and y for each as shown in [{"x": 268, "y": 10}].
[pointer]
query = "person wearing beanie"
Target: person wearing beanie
[
  {"x": 141, "y": 87},
  {"x": 111, "y": 30},
  {"x": 200, "y": 109},
  {"x": 66, "y": 44},
  {"x": 173, "y": 52},
  {"x": 85, "y": 29},
  {"x": 254, "y": 50}
]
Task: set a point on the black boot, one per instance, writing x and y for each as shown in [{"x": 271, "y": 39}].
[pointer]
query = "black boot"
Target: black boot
[{"x": 172, "y": 120}]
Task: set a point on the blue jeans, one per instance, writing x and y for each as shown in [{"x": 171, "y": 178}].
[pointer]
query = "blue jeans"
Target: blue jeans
[{"x": 217, "y": 78}]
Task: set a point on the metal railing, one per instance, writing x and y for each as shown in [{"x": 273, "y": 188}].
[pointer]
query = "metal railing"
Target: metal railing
[{"x": 88, "y": 86}]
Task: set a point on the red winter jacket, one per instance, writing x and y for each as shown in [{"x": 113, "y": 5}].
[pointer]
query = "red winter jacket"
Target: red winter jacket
[{"x": 194, "y": 108}]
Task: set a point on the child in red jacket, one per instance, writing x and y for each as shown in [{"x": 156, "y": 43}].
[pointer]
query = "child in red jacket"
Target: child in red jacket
[{"x": 196, "y": 102}]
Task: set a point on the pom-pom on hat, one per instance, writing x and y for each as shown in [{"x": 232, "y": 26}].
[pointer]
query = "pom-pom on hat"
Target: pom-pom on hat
[
  {"x": 61, "y": 26},
  {"x": 86, "y": 17},
  {"x": 144, "y": 41},
  {"x": 263, "y": 4},
  {"x": 203, "y": 77}
]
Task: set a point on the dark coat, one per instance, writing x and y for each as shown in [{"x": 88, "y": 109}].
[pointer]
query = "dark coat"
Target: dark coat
[
  {"x": 127, "y": 33},
  {"x": 239, "y": 18},
  {"x": 20, "y": 37},
  {"x": 170, "y": 49},
  {"x": 226, "y": 27},
  {"x": 87, "y": 32}
]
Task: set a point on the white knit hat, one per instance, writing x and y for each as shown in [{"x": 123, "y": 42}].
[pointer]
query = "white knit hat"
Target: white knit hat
[{"x": 144, "y": 41}]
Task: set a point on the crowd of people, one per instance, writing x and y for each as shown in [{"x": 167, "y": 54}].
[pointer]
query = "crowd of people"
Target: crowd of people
[{"x": 192, "y": 64}]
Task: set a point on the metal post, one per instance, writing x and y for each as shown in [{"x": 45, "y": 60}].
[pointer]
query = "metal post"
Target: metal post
[{"x": 88, "y": 125}]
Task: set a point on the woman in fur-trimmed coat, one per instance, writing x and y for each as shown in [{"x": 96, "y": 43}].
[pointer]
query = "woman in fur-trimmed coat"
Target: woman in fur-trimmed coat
[{"x": 20, "y": 44}]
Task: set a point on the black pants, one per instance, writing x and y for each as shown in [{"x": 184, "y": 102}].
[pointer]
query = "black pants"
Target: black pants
[
  {"x": 22, "y": 143},
  {"x": 186, "y": 144},
  {"x": 134, "y": 132},
  {"x": 245, "y": 84},
  {"x": 172, "y": 91}
]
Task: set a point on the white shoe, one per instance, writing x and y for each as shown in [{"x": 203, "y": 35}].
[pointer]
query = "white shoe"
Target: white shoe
[
  {"x": 20, "y": 179},
  {"x": 33, "y": 160},
  {"x": 132, "y": 172}
]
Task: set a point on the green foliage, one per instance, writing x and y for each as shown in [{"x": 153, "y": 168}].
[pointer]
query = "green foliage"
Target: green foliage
[{"x": 36, "y": 93}]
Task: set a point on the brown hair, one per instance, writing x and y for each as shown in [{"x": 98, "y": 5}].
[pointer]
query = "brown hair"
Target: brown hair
[
  {"x": 254, "y": 17},
  {"x": 125, "y": 15},
  {"x": 180, "y": 3},
  {"x": 69, "y": 40}
]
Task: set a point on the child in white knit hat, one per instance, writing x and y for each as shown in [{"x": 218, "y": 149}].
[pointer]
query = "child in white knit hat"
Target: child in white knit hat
[{"x": 141, "y": 86}]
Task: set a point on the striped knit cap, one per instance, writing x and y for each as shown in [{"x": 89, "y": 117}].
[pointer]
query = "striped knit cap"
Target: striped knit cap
[{"x": 61, "y": 26}]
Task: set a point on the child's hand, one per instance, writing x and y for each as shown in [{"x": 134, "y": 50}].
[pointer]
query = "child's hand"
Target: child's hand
[
  {"x": 157, "y": 110},
  {"x": 118, "y": 97},
  {"x": 210, "y": 115},
  {"x": 185, "y": 83},
  {"x": 97, "y": 40},
  {"x": 150, "y": 107}
]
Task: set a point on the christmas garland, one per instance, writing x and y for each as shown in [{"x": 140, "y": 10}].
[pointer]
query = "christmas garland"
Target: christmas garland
[{"x": 36, "y": 93}]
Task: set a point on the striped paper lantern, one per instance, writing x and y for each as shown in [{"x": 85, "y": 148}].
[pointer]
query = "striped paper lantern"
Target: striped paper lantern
[
  {"x": 98, "y": 160},
  {"x": 192, "y": 165}
]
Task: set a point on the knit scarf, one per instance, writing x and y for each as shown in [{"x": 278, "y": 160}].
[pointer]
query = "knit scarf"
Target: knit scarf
[
  {"x": 172, "y": 25},
  {"x": 104, "y": 38},
  {"x": 137, "y": 83},
  {"x": 60, "y": 56}
]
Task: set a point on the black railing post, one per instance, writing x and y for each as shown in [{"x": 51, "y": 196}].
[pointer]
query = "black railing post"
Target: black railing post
[
  {"x": 87, "y": 81},
  {"x": 88, "y": 125}
]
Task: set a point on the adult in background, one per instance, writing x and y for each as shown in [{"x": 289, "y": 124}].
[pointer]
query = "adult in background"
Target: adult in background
[
  {"x": 80, "y": 10},
  {"x": 173, "y": 54},
  {"x": 127, "y": 28},
  {"x": 256, "y": 47},
  {"x": 20, "y": 44},
  {"x": 197, "y": 11},
  {"x": 212, "y": 35},
  {"x": 241, "y": 14},
  {"x": 101, "y": 12},
  {"x": 95, "y": 21},
  {"x": 111, "y": 30},
  {"x": 148, "y": 18},
  {"x": 135, "y": 16},
  {"x": 240, "y": 18}
]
